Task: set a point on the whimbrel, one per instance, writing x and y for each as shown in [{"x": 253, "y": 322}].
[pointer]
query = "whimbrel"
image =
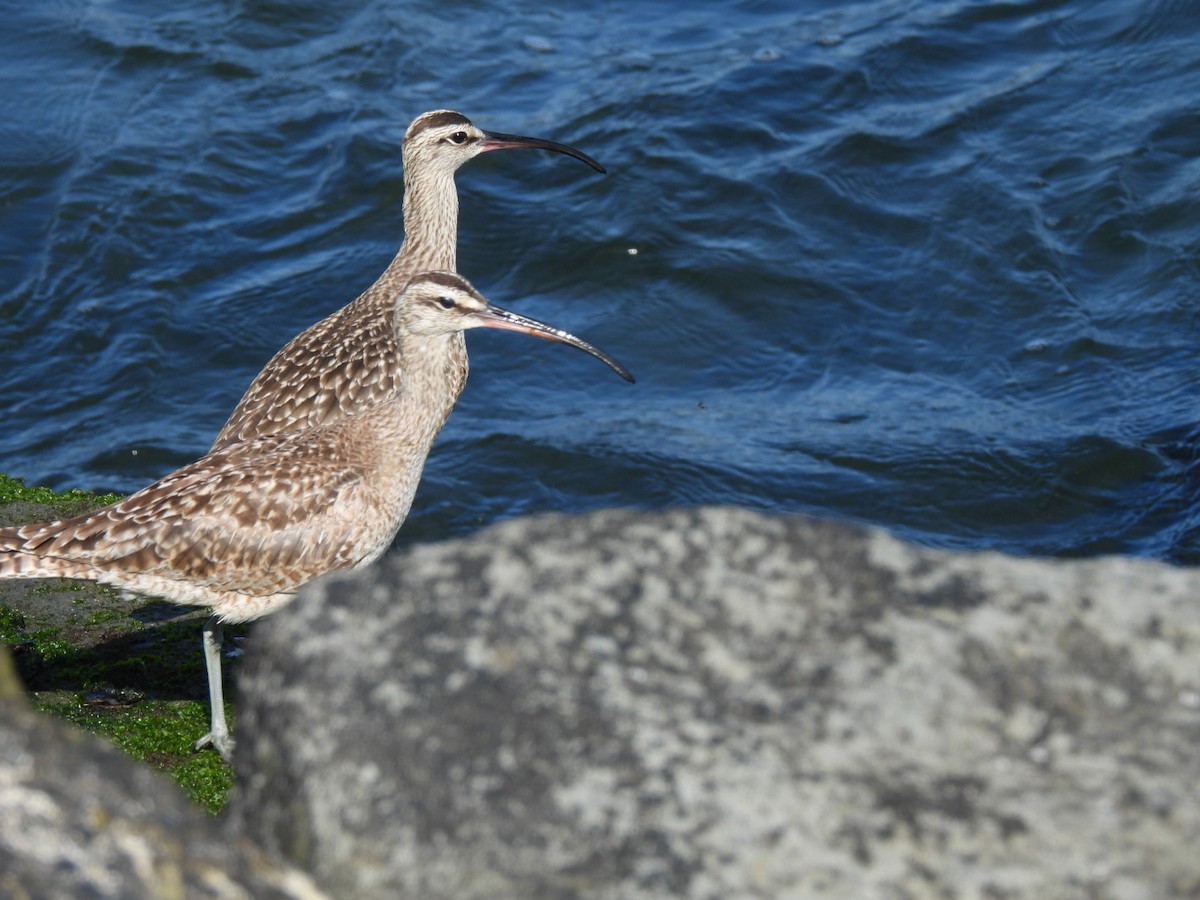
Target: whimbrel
[
  {"x": 347, "y": 361},
  {"x": 242, "y": 528}
]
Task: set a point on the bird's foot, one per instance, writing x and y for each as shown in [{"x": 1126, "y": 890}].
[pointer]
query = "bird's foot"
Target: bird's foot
[{"x": 222, "y": 742}]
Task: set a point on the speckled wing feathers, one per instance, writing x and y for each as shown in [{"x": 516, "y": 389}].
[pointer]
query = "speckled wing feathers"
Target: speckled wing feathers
[
  {"x": 342, "y": 365},
  {"x": 221, "y": 524}
]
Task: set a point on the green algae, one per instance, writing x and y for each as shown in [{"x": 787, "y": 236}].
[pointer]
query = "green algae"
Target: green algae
[
  {"x": 71, "y": 502},
  {"x": 160, "y": 734}
]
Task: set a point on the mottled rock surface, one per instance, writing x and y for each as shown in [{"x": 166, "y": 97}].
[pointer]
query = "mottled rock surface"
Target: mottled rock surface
[
  {"x": 79, "y": 818},
  {"x": 718, "y": 704}
]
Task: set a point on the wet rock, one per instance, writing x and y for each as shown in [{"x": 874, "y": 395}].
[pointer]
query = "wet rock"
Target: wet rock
[
  {"x": 713, "y": 703},
  {"x": 10, "y": 683},
  {"x": 80, "y": 819}
]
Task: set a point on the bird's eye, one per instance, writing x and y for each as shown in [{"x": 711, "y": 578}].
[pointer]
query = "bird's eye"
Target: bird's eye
[
  {"x": 459, "y": 137},
  {"x": 445, "y": 302}
]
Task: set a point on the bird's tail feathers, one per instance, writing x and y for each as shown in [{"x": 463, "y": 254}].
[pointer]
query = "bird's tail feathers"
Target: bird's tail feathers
[{"x": 20, "y": 564}]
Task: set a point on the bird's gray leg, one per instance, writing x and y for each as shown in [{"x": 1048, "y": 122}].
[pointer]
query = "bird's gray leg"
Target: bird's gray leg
[{"x": 218, "y": 734}]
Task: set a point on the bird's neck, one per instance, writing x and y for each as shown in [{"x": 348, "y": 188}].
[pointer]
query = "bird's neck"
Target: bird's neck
[
  {"x": 430, "y": 222},
  {"x": 434, "y": 374},
  {"x": 398, "y": 433}
]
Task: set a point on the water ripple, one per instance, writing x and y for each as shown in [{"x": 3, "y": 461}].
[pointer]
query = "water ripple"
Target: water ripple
[{"x": 932, "y": 266}]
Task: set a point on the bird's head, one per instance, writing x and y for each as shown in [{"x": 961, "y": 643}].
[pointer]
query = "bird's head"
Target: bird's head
[
  {"x": 440, "y": 303},
  {"x": 445, "y": 139}
]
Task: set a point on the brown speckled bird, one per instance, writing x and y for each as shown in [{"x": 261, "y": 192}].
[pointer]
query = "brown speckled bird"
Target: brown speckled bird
[
  {"x": 347, "y": 361},
  {"x": 241, "y": 529}
]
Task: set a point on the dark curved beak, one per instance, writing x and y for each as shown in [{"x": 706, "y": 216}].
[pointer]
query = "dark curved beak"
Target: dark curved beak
[
  {"x": 495, "y": 317},
  {"x": 496, "y": 140}
]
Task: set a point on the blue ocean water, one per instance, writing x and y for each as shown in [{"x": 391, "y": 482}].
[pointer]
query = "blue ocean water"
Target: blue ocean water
[{"x": 928, "y": 266}]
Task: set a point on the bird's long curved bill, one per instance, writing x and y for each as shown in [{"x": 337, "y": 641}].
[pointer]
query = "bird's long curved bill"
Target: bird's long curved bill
[
  {"x": 496, "y": 140},
  {"x": 495, "y": 317}
]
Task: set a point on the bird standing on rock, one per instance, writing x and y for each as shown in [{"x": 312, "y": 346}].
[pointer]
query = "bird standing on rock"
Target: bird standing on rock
[
  {"x": 348, "y": 361},
  {"x": 242, "y": 528}
]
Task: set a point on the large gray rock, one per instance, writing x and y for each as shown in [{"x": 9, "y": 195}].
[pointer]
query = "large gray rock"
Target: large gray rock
[
  {"x": 719, "y": 704},
  {"x": 81, "y": 819}
]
